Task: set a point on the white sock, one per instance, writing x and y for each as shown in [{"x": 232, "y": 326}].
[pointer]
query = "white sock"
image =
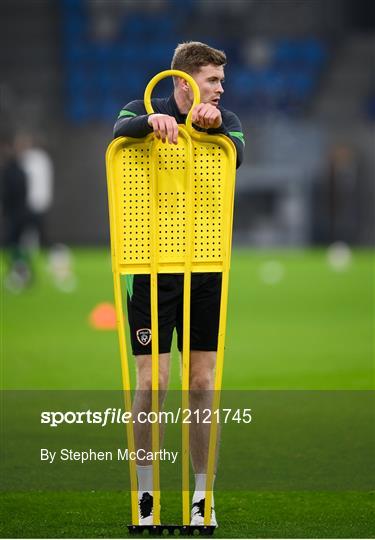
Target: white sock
[
  {"x": 200, "y": 488},
  {"x": 144, "y": 474}
]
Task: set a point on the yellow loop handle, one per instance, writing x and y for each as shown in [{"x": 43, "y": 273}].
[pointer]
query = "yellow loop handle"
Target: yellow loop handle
[{"x": 172, "y": 73}]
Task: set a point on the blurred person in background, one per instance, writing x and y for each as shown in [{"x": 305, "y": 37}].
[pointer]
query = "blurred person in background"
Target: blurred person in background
[
  {"x": 38, "y": 169},
  {"x": 343, "y": 194},
  {"x": 39, "y": 174},
  {"x": 15, "y": 215}
]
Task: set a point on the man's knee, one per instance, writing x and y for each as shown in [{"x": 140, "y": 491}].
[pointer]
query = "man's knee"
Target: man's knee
[
  {"x": 202, "y": 378},
  {"x": 144, "y": 372},
  {"x": 145, "y": 383},
  {"x": 202, "y": 370},
  {"x": 201, "y": 381}
]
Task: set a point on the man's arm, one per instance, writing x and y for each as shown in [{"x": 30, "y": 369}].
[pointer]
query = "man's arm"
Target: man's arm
[
  {"x": 232, "y": 128},
  {"x": 132, "y": 121},
  {"x": 220, "y": 121}
]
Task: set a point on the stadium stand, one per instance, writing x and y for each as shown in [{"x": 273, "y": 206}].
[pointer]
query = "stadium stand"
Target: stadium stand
[
  {"x": 97, "y": 85},
  {"x": 299, "y": 77}
]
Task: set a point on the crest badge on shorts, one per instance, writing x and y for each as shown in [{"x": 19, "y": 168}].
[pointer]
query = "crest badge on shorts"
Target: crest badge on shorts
[{"x": 144, "y": 336}]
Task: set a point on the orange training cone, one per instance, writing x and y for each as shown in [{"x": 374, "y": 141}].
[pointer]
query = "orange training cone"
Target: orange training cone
[{"x": 103, "y": 317}]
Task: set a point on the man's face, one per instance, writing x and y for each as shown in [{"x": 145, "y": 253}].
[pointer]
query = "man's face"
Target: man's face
[{"x": 209, "y": 79}]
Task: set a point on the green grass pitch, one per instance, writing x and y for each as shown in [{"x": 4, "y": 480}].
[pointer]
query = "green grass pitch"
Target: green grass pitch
[{"x": 293, "y": 325}]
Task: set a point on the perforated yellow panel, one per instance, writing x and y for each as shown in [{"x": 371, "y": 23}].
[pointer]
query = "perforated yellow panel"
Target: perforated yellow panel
[
  {"x": 133, "y": 204},
  {"x": 135, "y": 164},
  {"x": 172, "y": 172},
  {"x": 209, "y": 184}
]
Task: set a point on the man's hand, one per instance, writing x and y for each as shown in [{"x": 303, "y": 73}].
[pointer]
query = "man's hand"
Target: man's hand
[
  {"x": 164, "y": 126},
  {"x": 206, "y": 116}
]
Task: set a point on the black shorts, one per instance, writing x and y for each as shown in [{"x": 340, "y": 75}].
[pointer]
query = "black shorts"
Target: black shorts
[{"x": 204, "y": 311}]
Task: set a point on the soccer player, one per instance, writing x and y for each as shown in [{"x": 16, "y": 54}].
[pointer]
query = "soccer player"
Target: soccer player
[{"x": 206, "y": 66}]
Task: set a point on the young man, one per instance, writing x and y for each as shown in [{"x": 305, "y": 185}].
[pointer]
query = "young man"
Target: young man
[{"x": 206, "y": 66}]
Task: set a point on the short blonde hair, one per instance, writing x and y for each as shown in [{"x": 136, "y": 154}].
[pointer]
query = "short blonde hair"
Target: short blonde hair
[{"x": 192, "y": 55}]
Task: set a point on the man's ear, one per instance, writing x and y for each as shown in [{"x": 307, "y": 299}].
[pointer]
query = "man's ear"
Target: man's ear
[{"x": 184, "y": 84}]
